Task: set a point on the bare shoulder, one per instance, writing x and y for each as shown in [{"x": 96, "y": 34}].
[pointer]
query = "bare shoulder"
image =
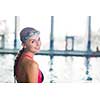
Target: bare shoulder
[
  {"x": 31, "y": 64},
  {"x": 34, "y": 64}
]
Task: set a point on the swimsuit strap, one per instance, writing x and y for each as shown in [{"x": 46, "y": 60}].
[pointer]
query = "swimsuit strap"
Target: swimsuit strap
[{"x": 26, "y": 55}]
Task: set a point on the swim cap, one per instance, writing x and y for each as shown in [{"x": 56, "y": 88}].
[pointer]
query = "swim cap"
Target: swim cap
[{"x": 27, "y": 32}]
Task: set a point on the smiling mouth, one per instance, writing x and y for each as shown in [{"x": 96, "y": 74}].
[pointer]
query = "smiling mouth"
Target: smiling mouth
[{"x": 37, "y": 48}]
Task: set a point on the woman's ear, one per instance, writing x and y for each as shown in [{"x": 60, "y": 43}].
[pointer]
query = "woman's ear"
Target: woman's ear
[{"x": 24, "y": 45}]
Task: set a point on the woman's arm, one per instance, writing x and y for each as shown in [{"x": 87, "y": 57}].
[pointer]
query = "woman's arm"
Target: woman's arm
[{"x": 32, "y": 72}]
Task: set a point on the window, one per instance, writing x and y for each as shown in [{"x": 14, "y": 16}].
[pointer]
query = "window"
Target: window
[
  {"x": 95, "y": 34},
  {"x": 7, "y": 27},
  {"x": 70, "y": 26}
]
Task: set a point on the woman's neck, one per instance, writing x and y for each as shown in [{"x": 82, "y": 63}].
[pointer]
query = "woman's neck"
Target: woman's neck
[{"x": 29, "y": 54}]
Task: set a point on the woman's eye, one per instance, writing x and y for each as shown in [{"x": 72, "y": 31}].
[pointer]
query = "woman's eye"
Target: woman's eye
[
  {"x": 32, "y": 41},
  {"x": 38, "y": 39}
]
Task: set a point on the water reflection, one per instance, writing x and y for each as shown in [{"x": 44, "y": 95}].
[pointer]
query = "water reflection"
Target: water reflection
[
  {"x": 6, "y": 68},
  {"x": 64, "y": 69}
]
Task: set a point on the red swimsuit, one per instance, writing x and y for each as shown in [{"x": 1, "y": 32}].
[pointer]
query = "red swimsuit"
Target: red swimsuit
[
  {"x": 40, "y": 77},
  {"x": 40, "y": 74}
]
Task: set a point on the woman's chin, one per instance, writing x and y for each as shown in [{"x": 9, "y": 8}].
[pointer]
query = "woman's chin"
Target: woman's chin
[{"x": 36, "y": 51}]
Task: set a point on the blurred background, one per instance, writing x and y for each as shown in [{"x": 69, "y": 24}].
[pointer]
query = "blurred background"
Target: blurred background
[{"x": 69, "y": 50}]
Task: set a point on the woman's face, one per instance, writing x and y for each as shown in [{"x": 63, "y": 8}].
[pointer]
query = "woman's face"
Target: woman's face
[{"x": 33, "y": 44}]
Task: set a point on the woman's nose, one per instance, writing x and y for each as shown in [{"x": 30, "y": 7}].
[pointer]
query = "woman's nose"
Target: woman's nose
[{"x": 37, "y": 43}]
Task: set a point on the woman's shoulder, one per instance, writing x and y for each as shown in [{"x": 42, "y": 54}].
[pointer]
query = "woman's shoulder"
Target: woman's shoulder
[
  {"x": 31, "y": 66},
  {"x": 33, "y": 63},
  {"x": 30, "y": 63}
]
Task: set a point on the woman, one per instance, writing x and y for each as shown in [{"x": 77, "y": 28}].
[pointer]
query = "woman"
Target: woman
[{"x": 26, "y": 69}]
